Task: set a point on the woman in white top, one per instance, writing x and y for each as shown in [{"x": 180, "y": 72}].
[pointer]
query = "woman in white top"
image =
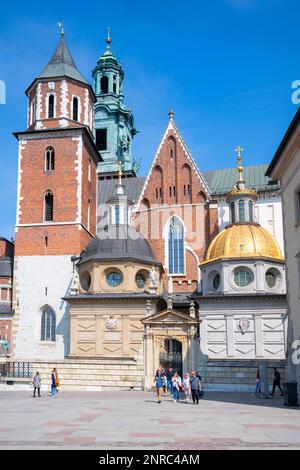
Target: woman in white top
[
  {"x": 187, "y": 387},
  {"x": 176, "y": 384}
]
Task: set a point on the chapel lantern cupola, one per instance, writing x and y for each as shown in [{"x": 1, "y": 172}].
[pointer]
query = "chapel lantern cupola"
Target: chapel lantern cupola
[
  {"x": 114, "y": 123},
  {"x": 240, "y": 199},
  {"x": 119, "y": 206}
]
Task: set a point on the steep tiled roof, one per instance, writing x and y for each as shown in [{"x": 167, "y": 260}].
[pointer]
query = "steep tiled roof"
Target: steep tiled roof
[
  {"x": 62, "y": 64},
  {"x": 132, "y": 188},
  {"x": 222, "y": 181}
]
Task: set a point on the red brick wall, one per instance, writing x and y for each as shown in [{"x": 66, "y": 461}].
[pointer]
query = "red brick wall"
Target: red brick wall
[
  {"x": 6, "y": 249},
  {"x": 174, "y": 188},
  {"x": 74, "y": 89}
]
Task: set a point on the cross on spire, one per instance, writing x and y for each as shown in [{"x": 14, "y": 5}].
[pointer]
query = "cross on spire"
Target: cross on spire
[
  {"x": 108, "y": 39},
  {"x": 61, "y": 26},
  {"x": 239, "y": 151}
]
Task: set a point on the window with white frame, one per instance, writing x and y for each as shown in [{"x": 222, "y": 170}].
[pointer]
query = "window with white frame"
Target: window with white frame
[{"x": 48, "y": 324}]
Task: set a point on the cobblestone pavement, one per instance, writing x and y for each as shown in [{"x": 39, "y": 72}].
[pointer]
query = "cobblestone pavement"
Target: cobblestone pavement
[{"x": 133, "y": 420}]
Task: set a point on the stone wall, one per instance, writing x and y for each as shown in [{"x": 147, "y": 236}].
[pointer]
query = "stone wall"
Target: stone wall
[
  {"x": 84, "y": 375},
  {"x": 235, "y": 376}
]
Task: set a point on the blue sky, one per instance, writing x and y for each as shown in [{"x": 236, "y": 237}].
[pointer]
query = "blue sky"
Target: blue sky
[{"x": 224, "y": 66}]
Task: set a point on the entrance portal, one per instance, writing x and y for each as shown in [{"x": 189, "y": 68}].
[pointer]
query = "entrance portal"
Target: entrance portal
[{"x": 171, "y": 355}]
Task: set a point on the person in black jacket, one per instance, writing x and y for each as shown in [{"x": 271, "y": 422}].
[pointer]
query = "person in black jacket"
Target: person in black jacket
[
  {"x": 276, "y": 382},
  {"x": 53, "y": 383}
]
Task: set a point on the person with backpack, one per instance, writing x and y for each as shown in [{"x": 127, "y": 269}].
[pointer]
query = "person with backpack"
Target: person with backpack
[
  {"x": 196, "y": 387},
  {"x": 37, "y": 384},
  {"x": 276, "y": 382},
  {"x": 53, "y": 383}
]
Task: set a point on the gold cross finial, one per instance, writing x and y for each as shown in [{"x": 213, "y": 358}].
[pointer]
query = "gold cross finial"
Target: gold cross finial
[
  {"x": 120, "y": 172},
  {"x": 239, "y": 151}
]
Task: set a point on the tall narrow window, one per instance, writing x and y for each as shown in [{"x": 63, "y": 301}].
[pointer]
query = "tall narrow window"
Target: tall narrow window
[
  {"x": 32, "y": 112},
  {"x": 176, "y": 247},
  {"x": 184, "y": 190},
  {"x": 232, "y": 210},
  {"x": 101, "y": 139},
  {"x": 49, "y": 159},
  {"x": 250, "y": 208},
  {"x": 160, "y": 192},
  {"x": 48, "y": 325},
  {"x": 89, "y": 214},
  {"x": 51, "y": 106},
  {"x": 170, "y": 191},
  {"x": 48, "y": 207},
  {"x": 104, "y": 84},
  {"x": 171, "y": 153},
  {"x": 241, "y": 210},
  {"x": 117, "y": 215},
  {"x": 89, "y": 170},
  {"x": 75, "y": 109}
]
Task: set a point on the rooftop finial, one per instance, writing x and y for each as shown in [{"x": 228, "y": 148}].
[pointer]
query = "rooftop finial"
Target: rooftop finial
[
  {"x": 61, "y": 26},
  {"x": 108, "y": 39},
  {"x": 239, "y": 151},
  {"x": 120, "y": 172},
  {"x": 171, "y": 114}
]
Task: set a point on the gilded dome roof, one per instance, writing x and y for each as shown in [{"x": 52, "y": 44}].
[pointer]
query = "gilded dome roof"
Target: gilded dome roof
[{"x": 243, "y": 241}]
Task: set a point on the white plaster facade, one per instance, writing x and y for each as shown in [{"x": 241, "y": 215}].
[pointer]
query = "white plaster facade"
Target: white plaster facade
[
  {"x": 41, "y": 281},
  {"x": 286, "y": 167},
  {"x": 243, "y": 328}
]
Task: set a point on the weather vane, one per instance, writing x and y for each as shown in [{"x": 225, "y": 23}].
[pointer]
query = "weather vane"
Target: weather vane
[{"x": 61, "y": 26}]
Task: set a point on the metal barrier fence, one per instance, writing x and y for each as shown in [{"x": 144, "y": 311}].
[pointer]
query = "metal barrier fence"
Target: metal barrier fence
[{"x": 22, "y": 370}]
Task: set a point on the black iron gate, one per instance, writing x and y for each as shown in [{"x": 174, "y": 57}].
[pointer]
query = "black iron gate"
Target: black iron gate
[{"x": 171, "y": 355}]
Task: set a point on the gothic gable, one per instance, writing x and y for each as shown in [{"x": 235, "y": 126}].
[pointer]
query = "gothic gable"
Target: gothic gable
[{"x": 174, "y": 177}]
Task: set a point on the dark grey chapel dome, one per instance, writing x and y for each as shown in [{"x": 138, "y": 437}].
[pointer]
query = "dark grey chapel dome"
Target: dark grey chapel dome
[{"x": 119, "y": 242}]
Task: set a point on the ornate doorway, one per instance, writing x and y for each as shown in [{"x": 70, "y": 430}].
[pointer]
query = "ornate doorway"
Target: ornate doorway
[{"x": 171, "y": 355}]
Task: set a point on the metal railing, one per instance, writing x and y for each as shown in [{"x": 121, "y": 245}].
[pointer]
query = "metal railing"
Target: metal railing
[{"x": 20, "y": 370}]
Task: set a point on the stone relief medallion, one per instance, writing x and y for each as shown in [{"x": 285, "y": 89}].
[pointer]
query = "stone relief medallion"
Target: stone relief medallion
[
  {"x": 111, "y": 323},
  {"x": 51, "y": 85},
  {"x": 243, "y": 325}
]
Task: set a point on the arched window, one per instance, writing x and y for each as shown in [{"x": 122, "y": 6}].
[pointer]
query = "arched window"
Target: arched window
[
  {"x": 117, "y": 214},
  {"x": 250, "y": 207},
  {"x": 232, "y": 209},
  {"x": 48, "y": 215},
  {"x": 176, "y": 247},
  {"x": 241, "y": 210},
  {"x": 104, "y": 84},
  {"x": 51, "y": 106},
  {"x": 48, "y": 324},
  {"x": 75, "y": 109},
  {"x": 49, "y": 159}
]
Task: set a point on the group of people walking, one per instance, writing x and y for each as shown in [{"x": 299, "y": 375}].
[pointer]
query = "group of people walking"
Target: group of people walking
[
  {"x": 37, "y": 383},
  {"x": 276, "y": 383},
  {"x": 170, "y": 383}
]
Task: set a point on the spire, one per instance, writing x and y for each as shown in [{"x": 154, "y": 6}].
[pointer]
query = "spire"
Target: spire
[
  {"x": 239, "y": 151},
  {"x": 62, "y": 63},
  {"x": 108, "y": 39},
  {"x": 171, "y": 114},
  {"x": 120, "y": 186}
]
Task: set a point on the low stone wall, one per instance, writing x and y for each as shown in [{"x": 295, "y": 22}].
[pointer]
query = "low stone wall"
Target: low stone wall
[
  {"x": 235, "y": 376},
  {"x": 86, "y": 375}
]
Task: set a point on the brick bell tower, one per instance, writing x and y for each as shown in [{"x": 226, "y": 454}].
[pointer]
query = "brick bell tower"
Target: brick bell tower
[{"x": 56, "y": 204}]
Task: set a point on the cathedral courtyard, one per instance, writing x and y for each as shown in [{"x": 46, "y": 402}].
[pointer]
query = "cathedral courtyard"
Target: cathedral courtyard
[{"x": 133, "y": 420}]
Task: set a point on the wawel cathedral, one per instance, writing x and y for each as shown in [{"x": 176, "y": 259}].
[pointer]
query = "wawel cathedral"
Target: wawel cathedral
[{"x": 112, "y": 274}]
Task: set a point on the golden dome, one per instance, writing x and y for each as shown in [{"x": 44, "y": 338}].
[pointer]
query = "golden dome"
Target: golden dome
[{"x": 243, "y": 241}]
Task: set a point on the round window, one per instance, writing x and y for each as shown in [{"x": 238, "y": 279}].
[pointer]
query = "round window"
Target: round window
[
  {"x": 271, "y": 278},
  {"x": 114, "y": 278},
  {"x": 242, "y": 278},
  {"x": 216, "y": 281},
  {"x": 140, "y": 281},
  {"x": 85, "y": 280}
]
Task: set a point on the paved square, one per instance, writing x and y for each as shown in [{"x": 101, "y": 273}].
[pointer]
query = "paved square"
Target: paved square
[{"x": 133, "y": 420}]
